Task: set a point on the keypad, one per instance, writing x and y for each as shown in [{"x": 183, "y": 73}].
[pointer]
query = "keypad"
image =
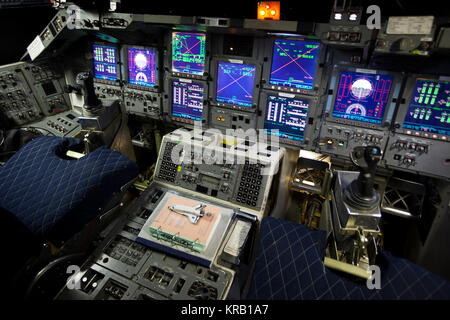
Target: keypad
[
  {"x": 250, "y": 184},
  {"x": 168, "y": 169}
]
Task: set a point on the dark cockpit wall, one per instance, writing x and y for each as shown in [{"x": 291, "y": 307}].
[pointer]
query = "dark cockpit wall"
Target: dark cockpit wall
[{"x": 410, "y": 174}]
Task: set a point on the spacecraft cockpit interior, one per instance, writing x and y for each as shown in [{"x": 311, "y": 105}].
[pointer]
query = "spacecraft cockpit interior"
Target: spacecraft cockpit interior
[{"x": 278, "y": 151}]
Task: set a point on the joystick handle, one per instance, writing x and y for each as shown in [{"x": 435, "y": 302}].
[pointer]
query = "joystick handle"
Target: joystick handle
[
  {"x": 366, "y": 159},
  {"x": 86, "y": 82}
]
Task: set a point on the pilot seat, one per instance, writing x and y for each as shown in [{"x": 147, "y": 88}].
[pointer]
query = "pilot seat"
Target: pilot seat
[{"x": 47, "y": 197}]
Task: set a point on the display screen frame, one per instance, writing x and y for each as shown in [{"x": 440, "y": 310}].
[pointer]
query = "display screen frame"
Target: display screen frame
[
  {"x": 169, "y": 102},
  {"x": 390, "y": 105},
  {"x": 361, "y": 87},
  {"x": 170, "y": 60},
  {"x": 308, "y": 131},
  {"x": 126, "y": 71},
  {"x": 410, "y": 85},
  {"x": 118, "y": 63},
  {"x": 318, "y": 72},
  {"x": 256, "y": 83}
]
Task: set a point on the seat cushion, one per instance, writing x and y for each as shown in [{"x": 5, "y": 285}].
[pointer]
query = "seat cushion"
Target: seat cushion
[
  {"x": 289, "y": 266},
  {"x": 54, "y": 197}
]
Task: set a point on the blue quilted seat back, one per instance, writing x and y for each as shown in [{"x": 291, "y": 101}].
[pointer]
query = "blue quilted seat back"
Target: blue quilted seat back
[
  {"x": 55, "y": 197},
  {"x": 289, "y": 266}
]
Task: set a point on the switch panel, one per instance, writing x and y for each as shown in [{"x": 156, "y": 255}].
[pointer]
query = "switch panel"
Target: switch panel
[
  {"x": 223, "y": 119},
  {"x": 47, "y": 83},
  {"x": 339, "y": 139},
  {"x": 143, "y": 103},
  {"x": 17, "y": 101},
  {"x": 418, "y": 155}
]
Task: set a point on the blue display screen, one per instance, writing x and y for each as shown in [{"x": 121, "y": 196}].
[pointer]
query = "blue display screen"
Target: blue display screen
[
  {"x": 362, "y": 96},
  {"x": 105, "y": 62},
  {"x": 188, "y": 52},
  {"x": 141, "y": 67},
  {"x": 429, "y": 107},
  {"x": 286, "y": 117},
  {"x": 294, "y": 64},
  {"x": 235, "y": 83},
  {"x": 187, "y": 100}
]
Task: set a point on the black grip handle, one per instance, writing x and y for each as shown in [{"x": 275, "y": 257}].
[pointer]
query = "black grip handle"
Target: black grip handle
[
  {"x": 366, "y": 159},
  {"x": 86, "y": 81}
]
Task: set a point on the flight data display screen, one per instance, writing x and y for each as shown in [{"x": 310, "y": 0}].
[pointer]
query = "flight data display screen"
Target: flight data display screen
[
  {"x": 362, "y": 96},
  {"x": 294, "y": 64},
  {"x": 187, "y": 100},
  {"x": 141, "y": 67},
  {"x": 286, "y": 117},
  {"x": 429, "y": 107},
  {"x": 235, "y": 83},
  {"x": 105, "y": 62},
  {"x": 188, "y": 52}
]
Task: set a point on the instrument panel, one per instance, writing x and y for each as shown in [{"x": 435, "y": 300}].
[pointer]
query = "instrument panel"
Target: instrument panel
[
  {"x": 422, "y": 128},
  {"x": 316, "y": 91},
  {"x": 290, "y": 89},
  {"x": 238, "y": 172}
]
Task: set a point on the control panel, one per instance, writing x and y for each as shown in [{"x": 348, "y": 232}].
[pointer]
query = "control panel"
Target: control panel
[
  {"x": 64, "y": 124},
  {"x": 141, "y": 90},
  {"x": 17, "y": 101},
  {"x": 415, "y": 154},
  {"x": 358, "y": 110},
  {"x": 318, "y": 90},
  {"x": 407, "y": 35},
  {"x": 47, "y": 82},
  {"x": 221, "y": 167},
  {"x": 223, "y": 118},
  {"x": 338, "y": 139},
  {"x": 143, "y": 103},
  {"x": 422, "y": 127},
  {"x": 123, "y": 269},
  {"x": 350, "y": 35}
]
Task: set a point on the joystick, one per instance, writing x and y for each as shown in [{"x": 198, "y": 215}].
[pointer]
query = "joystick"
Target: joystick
[
  {"x": 101, "y": 118},
  {"x": 360, "y": 193},
  {"x": 355, "y": 213},
  {"x": 92, "y": 105}
]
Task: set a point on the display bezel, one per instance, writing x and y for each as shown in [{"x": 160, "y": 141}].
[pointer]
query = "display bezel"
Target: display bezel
[
  {"x": 169, "y": 60},
  {"x": 256, "y": 85},
  {"x": 170, "y": 101},
  {"x": 390, "y": 102},
  {"x": 307, "y": 133},
  {"x": 118, "y": 63},
  {"x": 404, "y": 105},
  {"x": 269, "y": 47},
  {"x": 125, "y": 68}
]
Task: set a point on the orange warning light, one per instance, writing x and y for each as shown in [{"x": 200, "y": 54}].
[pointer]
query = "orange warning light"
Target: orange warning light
[{"x": 269, "y": 10}]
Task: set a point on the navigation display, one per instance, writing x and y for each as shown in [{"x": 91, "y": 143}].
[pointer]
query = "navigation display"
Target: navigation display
[
  {"x": 188, "y": 52},
  {"x": 235, "y": 83},
  {"x": 141, "y": 67},
  {"x": 362, "y": 96},
  {"x": 294, "y": 64}
]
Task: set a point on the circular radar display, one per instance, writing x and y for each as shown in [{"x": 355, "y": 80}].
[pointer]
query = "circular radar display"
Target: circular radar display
[
  {"x": 357, "y": 109},
  {"x": 361, "y": 88}
]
